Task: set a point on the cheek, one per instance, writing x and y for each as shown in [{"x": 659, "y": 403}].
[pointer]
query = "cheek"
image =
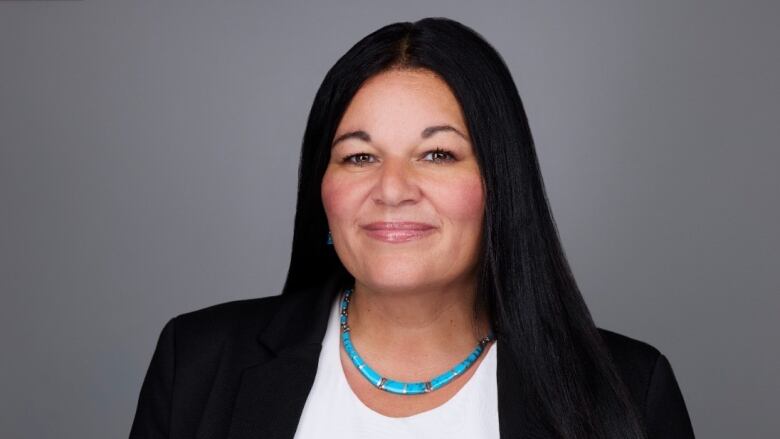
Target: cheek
[
  {"x": 336, "y": 197},
  {"x": 464, "y": 201}
]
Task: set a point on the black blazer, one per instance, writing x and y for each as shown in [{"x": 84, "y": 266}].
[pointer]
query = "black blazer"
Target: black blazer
[{"x": 244, "y": 369}]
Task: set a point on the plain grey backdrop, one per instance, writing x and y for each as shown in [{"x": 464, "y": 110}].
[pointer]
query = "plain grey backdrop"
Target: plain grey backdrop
[{"x": 148, "y": 167}]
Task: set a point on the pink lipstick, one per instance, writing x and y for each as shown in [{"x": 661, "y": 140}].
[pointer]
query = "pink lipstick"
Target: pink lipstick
[{"x": 397, "y": 232}]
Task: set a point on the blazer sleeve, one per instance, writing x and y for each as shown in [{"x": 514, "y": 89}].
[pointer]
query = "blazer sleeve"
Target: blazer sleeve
[
  {"x": 667, "y": 416},
  {"x": 153, "y": 413}
]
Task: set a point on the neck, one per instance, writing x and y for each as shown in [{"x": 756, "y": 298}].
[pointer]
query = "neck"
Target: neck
[{"x": 429, "y": 323}]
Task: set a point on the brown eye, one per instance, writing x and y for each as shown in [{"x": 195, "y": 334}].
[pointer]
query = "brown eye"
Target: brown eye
[
  {"x": 359, "y": 159},
  {"x": 440, "y": 155}
]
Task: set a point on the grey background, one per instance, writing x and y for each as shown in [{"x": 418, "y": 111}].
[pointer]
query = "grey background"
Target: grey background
[{"x": 148, "y": 157}]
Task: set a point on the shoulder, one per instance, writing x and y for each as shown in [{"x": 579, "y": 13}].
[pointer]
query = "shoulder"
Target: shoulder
[
  {"x": 198, "y": 333},
  {"x": 648, "y": 375},
  {"x": 635, "y": 361},
  {"x": 200, "y": 356},
  {"x": 630, "y": 353},
  {"x": 225, "y": 316}
]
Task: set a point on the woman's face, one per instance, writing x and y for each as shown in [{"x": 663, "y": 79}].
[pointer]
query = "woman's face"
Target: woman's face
[{"x": 403, "y": 192}]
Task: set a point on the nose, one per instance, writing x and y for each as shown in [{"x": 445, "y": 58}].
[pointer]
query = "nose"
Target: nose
[{"x": 396, "y": 184}]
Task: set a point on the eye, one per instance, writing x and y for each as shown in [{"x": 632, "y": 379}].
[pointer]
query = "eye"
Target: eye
[
  {"x": 440, "y": 155},
  {"x": 358, "y": 159}
]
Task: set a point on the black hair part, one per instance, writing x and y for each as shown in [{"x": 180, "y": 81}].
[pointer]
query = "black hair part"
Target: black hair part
[{"x": 571, "y": 387}]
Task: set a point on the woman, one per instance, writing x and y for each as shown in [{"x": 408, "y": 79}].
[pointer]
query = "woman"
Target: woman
[{"x": 427, "y": 295}]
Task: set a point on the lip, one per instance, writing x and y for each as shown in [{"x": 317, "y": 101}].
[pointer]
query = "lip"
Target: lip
[{"x": 398, "y": 231}]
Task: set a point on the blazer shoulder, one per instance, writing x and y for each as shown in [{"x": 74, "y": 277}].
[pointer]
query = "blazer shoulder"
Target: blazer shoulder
[
  {"x": 634, "y": 359},
  {"x": 236, "y": 320},
  {"x": 230, "y": 311},
  {"x": 628, "y": 350},
  {"x": 651, "y": 383},
  {"x": 199, "y": 354}
]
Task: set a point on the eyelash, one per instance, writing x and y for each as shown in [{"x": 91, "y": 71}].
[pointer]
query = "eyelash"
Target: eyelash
[{"x": 348, "y": 159}]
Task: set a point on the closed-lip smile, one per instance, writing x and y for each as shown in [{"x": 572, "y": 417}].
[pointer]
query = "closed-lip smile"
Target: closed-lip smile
[{"x": 397, "y": 231}]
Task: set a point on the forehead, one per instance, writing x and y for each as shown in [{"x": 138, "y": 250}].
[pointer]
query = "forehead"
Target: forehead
[{"x": 407, "y": 99}]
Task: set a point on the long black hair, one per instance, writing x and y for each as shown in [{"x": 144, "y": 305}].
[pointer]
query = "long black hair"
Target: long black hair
[{"x": 572, "y": 388}]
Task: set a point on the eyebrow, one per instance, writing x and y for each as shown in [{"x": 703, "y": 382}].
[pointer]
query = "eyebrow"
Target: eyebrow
[{"x": 426, "y": 133}]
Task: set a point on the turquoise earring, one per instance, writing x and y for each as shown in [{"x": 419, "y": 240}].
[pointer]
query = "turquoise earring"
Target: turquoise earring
[{"x": 330, "y": 238}]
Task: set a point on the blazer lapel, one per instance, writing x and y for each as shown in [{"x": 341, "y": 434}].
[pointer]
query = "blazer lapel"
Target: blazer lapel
[{"x": 272, "y": 394}]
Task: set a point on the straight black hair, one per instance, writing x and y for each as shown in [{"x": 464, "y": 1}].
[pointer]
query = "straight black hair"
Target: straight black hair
[{"x": 571, "y": 386}]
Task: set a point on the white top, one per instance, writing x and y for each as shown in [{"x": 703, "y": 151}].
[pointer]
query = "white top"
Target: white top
[{"x": 333, "y": 410}]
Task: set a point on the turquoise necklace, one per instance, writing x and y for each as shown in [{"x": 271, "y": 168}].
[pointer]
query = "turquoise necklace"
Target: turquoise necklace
[{"x": 400, "y": 387}]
